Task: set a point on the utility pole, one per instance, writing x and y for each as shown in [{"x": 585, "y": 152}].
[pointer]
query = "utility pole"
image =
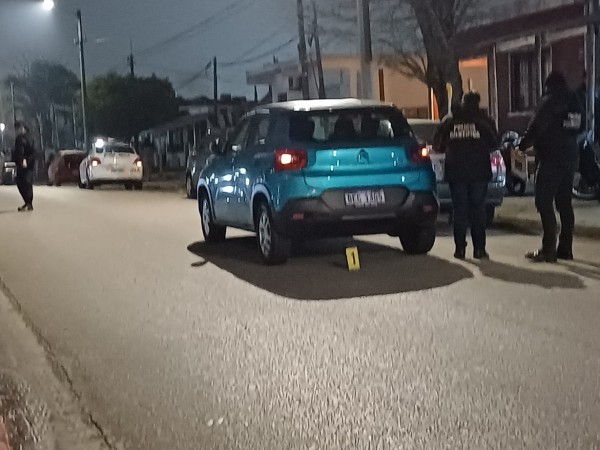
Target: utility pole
[
  {"x": 131, "y": 60},
  {"x": 74, "y": 112},
  {"x": 321, "y": 86},
  {"x": 302, "y": 51},
  {"x": 80, "y": 38},
  {"x": 592, "y": 7},
  {"x": 216, "y": 90},
  {"x": 366, "y": 49},
  {"x": 12, "y": 96}
]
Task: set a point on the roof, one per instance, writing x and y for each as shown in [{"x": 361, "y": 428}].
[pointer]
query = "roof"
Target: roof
[
  {"x": 321, "y": 105},
  {"x": 423, "y": 122},
  {"x": 180, "y": 122},
  {"x": 550, "y": 19},
  {"x": 71, "y": 152}
]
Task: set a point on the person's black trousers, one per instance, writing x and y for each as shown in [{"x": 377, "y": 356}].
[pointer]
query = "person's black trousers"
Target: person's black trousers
[
  {"x": 24, "y": 183},
  {"x": 468, "y": 200},
  {"x": 554, "y": 185}
]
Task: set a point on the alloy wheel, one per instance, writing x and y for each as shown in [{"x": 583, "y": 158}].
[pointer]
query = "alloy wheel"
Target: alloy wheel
[{"x": 265, "y": 236}]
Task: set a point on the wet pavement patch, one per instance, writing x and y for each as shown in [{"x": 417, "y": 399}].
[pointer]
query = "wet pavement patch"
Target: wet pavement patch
[
  {"x": 24, "y": 419},
  {"x": 317, "y": 270}
]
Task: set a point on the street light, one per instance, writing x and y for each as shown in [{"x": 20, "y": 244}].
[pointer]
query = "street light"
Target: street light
[{"x": 48, "y": 5}]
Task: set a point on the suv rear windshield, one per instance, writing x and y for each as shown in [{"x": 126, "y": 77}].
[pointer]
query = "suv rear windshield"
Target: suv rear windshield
[{"x": 361, "y": 126}]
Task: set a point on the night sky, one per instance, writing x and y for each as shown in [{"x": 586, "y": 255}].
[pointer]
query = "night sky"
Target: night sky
[{"x": 230, "y": 29}]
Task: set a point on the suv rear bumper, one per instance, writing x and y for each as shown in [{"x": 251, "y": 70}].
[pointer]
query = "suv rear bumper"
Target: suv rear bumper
[{"x": 328, "y": 216}]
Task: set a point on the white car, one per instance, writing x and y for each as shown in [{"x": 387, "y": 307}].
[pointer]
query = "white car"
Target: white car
[{"x": 111, "y": 162}]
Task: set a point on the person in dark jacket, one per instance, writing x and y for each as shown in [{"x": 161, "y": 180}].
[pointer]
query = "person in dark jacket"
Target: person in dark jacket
[
  {"x": 24, "y": 158},
  {"x": 468, "y": 138},
  {"x": 553, "y": 134}
]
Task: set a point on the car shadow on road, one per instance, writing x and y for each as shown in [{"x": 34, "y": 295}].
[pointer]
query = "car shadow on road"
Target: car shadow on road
[
  {"x": 520, "y": 275},
  {"x": 318, "y": 271}
]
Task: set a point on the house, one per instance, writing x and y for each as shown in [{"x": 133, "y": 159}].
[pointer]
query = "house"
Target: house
[
  {"x": 342, "y": 79},
  {"x": 173, "y": 141},
  {"x": 521, "y": 51}
]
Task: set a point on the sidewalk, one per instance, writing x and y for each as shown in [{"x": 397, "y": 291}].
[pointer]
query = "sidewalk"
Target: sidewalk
[
  {"x": 519, "y": 213},
  {"x": 37, "y": 411}
]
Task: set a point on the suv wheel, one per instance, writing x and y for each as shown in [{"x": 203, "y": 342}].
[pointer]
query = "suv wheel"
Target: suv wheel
[
  {"x": 274, "y": 248},
  {"x": 212, "y": 233},
  {"x": 418, "y": 240}
]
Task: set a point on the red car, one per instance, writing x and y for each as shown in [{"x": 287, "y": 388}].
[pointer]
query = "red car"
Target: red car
[{"x": 65, "y": 167}]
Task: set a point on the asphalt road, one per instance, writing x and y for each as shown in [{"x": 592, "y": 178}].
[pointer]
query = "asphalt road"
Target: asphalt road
[{"x": 173, "y": 344}]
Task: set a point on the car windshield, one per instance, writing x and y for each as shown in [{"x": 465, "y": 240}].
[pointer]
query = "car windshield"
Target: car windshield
[
  {"x": 358, "y": 126},
  {"x": 425, "y": 131},
  {"x": 73, "y": 158},
  {"x": 119, "y": 149}
]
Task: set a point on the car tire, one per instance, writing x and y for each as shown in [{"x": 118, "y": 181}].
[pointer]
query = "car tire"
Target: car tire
[
  {"x": 213, "y": 233},
  {"x": 418, "y": 240},
  {"x": 57, "y": 184},
  {"x": 88, "y": 184},
  {"x": 138, "y": 186},
  {"x": 81, "y": 185},
  {"x": 189, "y": 188},
  {"x": 274, "y": 248},
  {"x": 128, "y": 186}
]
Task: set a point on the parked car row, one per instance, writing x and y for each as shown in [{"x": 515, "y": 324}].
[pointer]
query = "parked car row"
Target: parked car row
[{"x": 108, "y": 162}]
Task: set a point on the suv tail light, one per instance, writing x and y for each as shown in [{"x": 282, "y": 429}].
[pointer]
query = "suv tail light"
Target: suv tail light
[
  {"x": 138, "y": 163},
  {"x": 96, "y": 162},
  {"x": 290, "y": 159},
  {"x": 420, "y": 154}
]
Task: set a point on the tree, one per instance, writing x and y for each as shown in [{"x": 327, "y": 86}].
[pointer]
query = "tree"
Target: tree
[
  {"x": 38, "y": 87},
  {"x": 417, "y": 37},
  {"x": 123, "y": 106}
]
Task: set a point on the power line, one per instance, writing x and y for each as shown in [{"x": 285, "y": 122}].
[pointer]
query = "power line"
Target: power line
[
  {"x": 264, "y": 41},
  {"x": 259, "y": 57},
  {"x": 215, "y": 18}
]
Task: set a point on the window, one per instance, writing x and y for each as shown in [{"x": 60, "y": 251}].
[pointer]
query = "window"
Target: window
[
  {"x": 238, "y": 138},
  {"x": 119, "y": 149},
  {"x": 259, "y": 130},
  {"x": 524, "y": 79},
  {"x": 364, "y": 126}
]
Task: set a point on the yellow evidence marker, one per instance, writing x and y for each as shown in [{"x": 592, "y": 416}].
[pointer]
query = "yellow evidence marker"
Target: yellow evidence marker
[{"x": 353, "y": 259}]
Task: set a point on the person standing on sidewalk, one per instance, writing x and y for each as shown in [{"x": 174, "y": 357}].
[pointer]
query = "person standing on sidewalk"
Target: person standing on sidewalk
[
  {"x": 553, "y": 134},
  {"x": 468, "y": 138},
  {"x": 24, "y": 158}
]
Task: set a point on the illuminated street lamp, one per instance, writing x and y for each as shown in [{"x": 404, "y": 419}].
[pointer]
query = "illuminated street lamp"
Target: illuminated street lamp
[{"x": 48, "y": 5}]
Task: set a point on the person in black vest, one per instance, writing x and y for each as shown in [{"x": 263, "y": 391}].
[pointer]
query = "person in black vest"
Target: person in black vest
[
  {"x": 24, "y": 158},
  {"x": 468, "y": 138},
  {"x": 553, "y": 133}
]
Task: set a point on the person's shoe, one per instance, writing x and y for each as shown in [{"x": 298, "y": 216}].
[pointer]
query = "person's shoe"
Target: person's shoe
[
  {"x": 22, "y": 208},
  {"x": 565, "y": 255},
  {"x": 29, "y": 207},
  {"x": 481, "y": 254},
  {"x": 460, "y": 253},
  {"x": 540, "y": 256}
]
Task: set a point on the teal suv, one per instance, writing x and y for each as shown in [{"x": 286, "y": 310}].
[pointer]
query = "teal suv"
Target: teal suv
[{"x": 318, "y": 168}]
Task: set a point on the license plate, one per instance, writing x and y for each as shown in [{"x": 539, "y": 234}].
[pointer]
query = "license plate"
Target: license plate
[
  {"x": 365, "y": 199},
  {"x": 118, "y": 169}
]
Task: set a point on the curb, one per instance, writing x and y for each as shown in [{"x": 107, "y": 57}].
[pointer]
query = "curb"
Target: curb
[{"x": 534, "y": 227}]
